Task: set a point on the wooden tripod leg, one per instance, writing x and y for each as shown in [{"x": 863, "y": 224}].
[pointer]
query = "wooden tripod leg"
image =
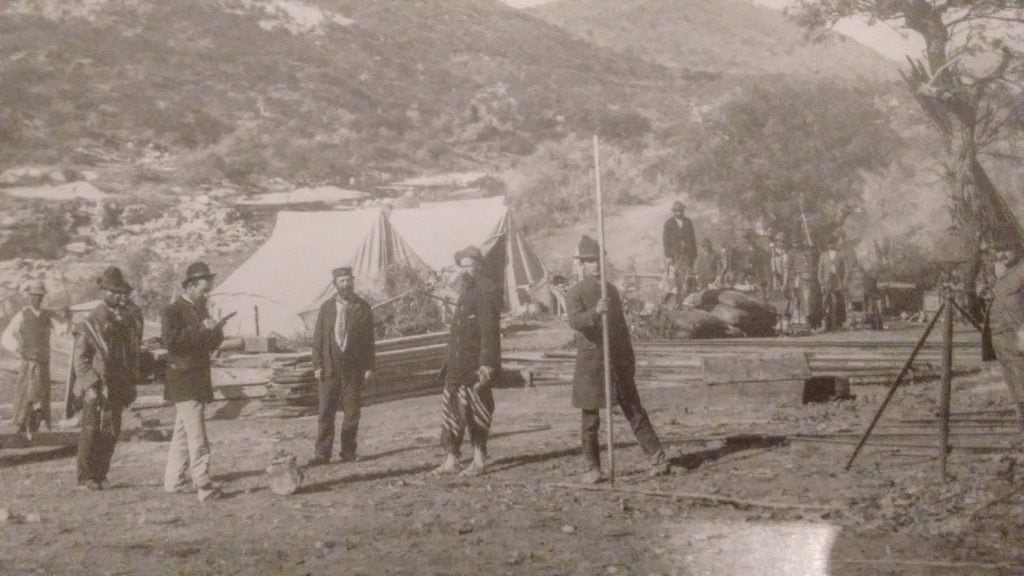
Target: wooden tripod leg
[{"x": 892, "y": 389}]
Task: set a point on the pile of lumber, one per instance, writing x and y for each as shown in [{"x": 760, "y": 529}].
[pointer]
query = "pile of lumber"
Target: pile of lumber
[
  {"x": 673, "y": 362},
  {"x": 292, "y": 390}
]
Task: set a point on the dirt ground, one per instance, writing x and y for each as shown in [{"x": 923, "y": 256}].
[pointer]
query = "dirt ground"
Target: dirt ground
[{"x": 385, "y": 514}]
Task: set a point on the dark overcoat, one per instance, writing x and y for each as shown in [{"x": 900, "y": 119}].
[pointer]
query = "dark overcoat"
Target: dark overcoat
[
  {"x": 106, "y": 353},
  {"x": 474, "y": 338},
  {"x": 588, "y": 377},
  {"x": 189, "y": 346},
  {"x": 679, "y": 240},
  {"x": 360, "y": 345}
]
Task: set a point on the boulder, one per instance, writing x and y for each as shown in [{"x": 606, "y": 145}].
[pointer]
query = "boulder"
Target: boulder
[{"x": 697, "y": 324}]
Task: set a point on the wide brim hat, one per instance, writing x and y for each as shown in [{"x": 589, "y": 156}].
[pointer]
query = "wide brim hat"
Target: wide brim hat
[
  {"x": 35, "y": 288},
  {"x": 113, "y": 279},
  {"x": 469, "y": 252},
  {"x": 196, "y": 271}
]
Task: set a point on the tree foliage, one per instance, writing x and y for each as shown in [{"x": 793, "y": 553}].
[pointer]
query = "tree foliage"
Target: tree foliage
[
  {"x": 777, "y": 150},
  {"x": 969, "y": 81}
]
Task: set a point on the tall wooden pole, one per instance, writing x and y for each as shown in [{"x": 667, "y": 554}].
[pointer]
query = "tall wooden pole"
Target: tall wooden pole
[
  {"x": 947, "y": 379},
  {"x": 606, "y": 347}
]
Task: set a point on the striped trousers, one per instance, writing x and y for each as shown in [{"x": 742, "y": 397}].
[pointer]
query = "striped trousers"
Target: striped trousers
[{"x": 464, "y": 407}]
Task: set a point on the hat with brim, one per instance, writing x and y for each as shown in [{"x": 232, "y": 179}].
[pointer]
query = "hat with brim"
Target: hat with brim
[
  {"x": 588, "y": 249},
  {"x": 678, "y": 206},
  {"x": 469, "y": 252},
  {"x": 35, "y": 288},
  {"x": 196, "y": 271},
  {"x": 113, "y": 279}
]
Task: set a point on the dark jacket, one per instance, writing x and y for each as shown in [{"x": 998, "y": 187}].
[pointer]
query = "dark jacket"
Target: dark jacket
[
  {"x": 360, "y": 346},
  {"x": 1007, "y": 312},
  {"x": 189, "y": 346},
  {"x": 588, "y": 378},
  {"x": 679, "y": 240},
  {"x": 475, "y": 335},
  {"x": 106, "y": 354},
  {"x": 832, "y": 271}
]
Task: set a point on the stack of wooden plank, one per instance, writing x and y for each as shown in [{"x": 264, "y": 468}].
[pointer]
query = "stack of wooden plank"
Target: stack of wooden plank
[{"x": 292, "y": 389}]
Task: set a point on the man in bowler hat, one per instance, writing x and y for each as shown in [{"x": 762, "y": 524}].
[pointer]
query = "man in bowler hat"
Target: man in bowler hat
[
  {"x": 585, "y": 308},
  {"x": 190, "y": 336},
  {"x": 343, "y": 360},
  {"x": 106, "y": 367},
  {"x": 471, "y": 366}
]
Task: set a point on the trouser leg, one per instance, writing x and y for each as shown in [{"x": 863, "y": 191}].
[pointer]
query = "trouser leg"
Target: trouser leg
[
  {"x": 590, "y": 424},
  {"x": 1012, "y": 363},
  {"x": 106, "y": 441},
  {"x": 88, "y": 441},
  {"x": 452, "y": 419},
  {"x": 329, "y": 392},
  {"x": 633, "y": 410},
  {"x": 177, "y": 454},
  {"x": 480, "y": 408},
  {"x": 194, "y": 420},
  {"x": 351, "y": 404}
]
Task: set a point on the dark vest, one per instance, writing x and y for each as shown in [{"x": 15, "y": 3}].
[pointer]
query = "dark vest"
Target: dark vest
[{"x": 35, "y": 335}]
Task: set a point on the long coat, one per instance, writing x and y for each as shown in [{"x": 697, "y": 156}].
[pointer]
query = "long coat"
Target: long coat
[
  {"x": 832, "y": 271},
  {"x": 475, "y": 335},
  {"x": 588, "y": 377},
  {"x": 679, "y": 240},
  {"x": 189, "y": 345},
  {"x": 106, "y": 353},
  {"x": 360, "y": 345}
]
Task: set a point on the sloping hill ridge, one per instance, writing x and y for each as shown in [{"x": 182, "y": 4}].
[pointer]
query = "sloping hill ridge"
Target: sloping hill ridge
[
  {"x": 303, "y": 89},
  {"x": 733, "y": 36}
]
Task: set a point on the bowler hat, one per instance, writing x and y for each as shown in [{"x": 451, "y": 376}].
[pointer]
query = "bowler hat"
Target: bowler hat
[
  {"x": 588, "y": 249},
  {"x": 469, "y": 252},
  {"x": 113, "y": 279},
  {"x": 678, "y": 206},
  {"x": 35, "y": 287},
  {"x": 342, "y": 272},
  {"x": 196, "y": 271}
]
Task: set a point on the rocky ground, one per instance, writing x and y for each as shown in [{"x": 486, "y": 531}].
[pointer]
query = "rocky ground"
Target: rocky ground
[{"x": 758, "y": 507}]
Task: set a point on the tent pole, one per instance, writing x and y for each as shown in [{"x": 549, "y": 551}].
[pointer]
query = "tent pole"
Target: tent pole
[{"x": 604, "y": 317}]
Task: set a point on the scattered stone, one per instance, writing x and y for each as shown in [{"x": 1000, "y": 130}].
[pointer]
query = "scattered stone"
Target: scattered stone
[
  {"x": 5, "y": 515},
  {"x": 285, "y": 474},
  {"x": 666, "y": 511},
  {"x": 568, "y": 528},
  {"x": 516, "y": 558}
]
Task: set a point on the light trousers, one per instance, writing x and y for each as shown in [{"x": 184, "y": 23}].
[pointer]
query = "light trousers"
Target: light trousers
[{"x": 189, "y": 450}]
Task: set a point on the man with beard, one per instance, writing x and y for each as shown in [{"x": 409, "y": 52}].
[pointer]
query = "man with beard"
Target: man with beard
[
  {"x": 343, "y": 359},
  {"x": 472, "y": 365},
  {"x": 190, "y": 336},
  {"x": 585, "y": 307},
  {"x": 106, "y": 365}
]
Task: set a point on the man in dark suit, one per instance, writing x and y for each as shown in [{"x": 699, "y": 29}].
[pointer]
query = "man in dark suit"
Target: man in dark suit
[
  {"x": 343, "y": 358},
  {"x": 680, "y": 244},
  {"x": 585, "y": 308},
  {"x": 106, "y": 367},
  {"x": 190, "y": 336},
  {"x": 472, "y": 365},
  {"x": 832, "y": 282}
]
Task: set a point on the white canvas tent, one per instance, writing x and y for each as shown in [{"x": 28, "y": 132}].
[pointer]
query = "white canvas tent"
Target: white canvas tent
[
  {"x": 293, "y": 268},
  {"x": 436, "y": 231}
]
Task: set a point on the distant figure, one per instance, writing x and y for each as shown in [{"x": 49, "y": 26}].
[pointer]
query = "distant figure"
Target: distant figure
[
  {"x": 708, "y": 268},
  {"x": 1006, "y": 317},
  {"x": 106, "y": 365},
  {"x": 344, "y": 351},
  {"x": 586, "y": 308},
  {"x": 28, "y": 336},
  {"x": 190, "y": 336},
  {"x": 832, "y": 283},
  {"x": 680, "y": 246},
  {"x": 472, "y": 365},
  {"x": 781, "y": 266}
]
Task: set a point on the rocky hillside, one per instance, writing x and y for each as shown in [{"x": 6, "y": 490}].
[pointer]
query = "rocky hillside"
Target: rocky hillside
[{"x": 730, "y": 36}]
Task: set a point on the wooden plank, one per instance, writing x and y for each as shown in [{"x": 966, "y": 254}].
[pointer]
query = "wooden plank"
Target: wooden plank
[
  {"x": 737, "y": 369},
  {"x": 223, "y": 376},
  {"x": 13, "y": 440}
]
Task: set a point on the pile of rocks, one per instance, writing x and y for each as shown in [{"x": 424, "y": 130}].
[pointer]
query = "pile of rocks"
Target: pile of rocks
[{"x": 718, "y": 313}]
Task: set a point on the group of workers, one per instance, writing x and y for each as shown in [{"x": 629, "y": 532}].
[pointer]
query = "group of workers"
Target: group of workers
[{"x": 107, "y": 367}]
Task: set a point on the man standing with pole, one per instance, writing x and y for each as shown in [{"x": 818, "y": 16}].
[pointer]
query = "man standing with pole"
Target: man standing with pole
[{"x": 586, "y": 301}]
